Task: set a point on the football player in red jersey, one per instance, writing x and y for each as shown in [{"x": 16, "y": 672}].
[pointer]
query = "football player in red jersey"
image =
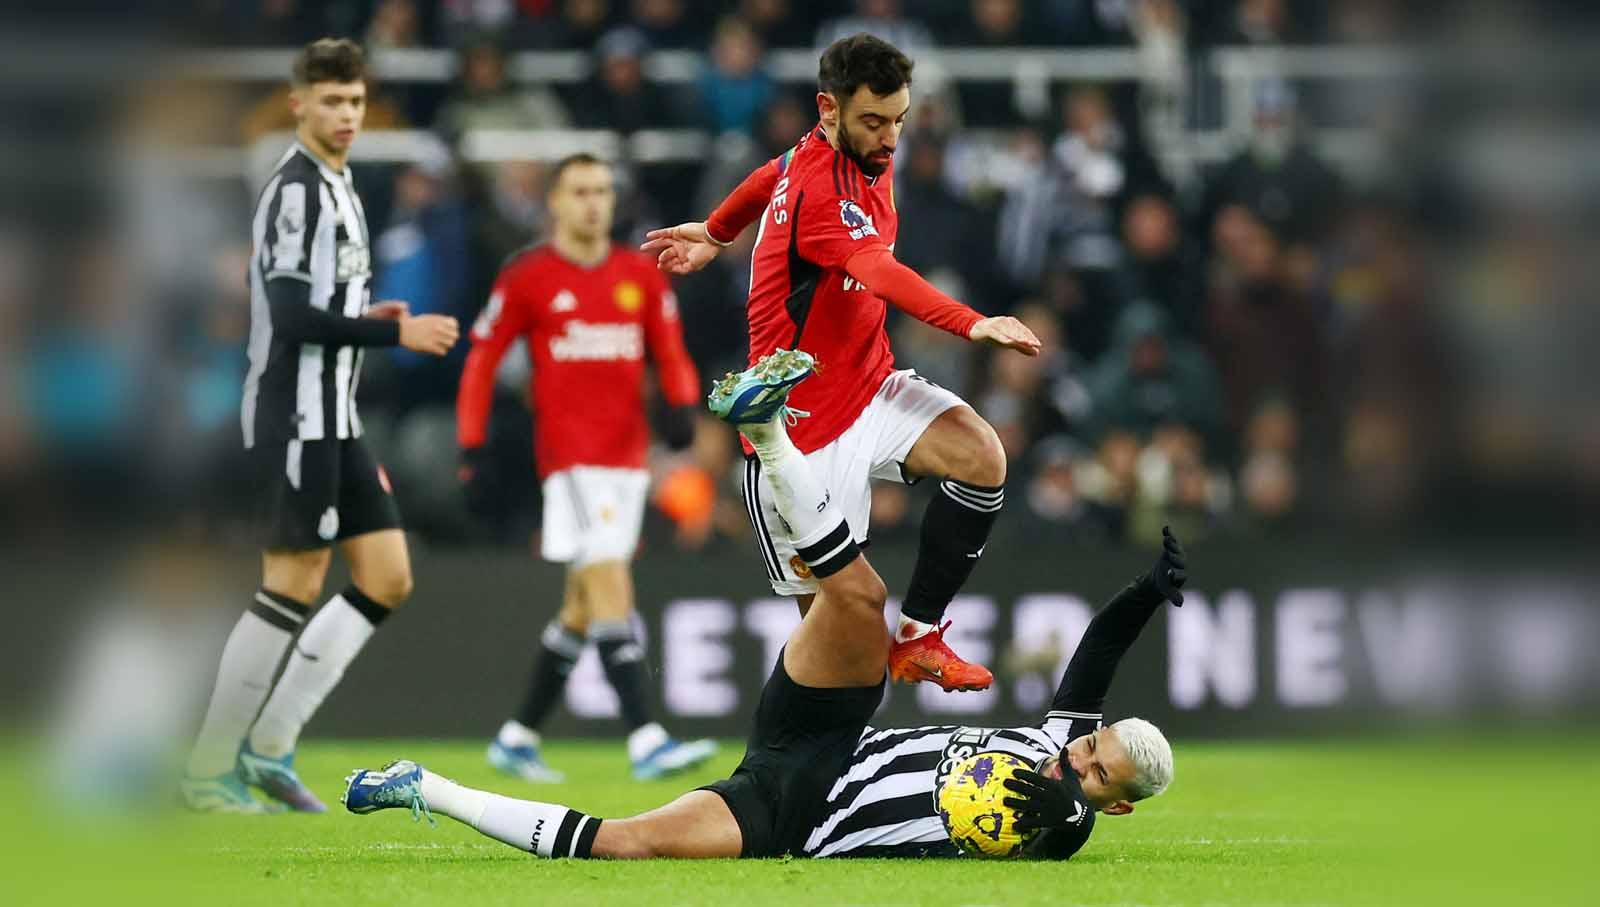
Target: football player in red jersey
[
  {"x": 822, "y": 270},
  {"x": 590, "y": 312}
]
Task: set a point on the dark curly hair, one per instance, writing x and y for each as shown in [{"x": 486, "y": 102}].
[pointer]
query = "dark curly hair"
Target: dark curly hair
[
  {"x": 861, "y": 59},
  {"x": 330, "y": 60}
]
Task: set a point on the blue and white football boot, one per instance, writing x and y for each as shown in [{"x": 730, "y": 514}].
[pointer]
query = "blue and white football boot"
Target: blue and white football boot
[
  {"x": 397, "y": 785},
  {"x": 761, "y": 391},
  {"x": 672, "y": 757},
  {"x": 277, "y": 779},
  {"x": 224, "y": 793},
  {"x": 523, "y": 761}
]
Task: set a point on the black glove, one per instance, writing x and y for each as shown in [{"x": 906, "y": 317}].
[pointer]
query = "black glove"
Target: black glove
[
  {"x": 1169, "y": 575},
  {"x": 1043, "y": 803},
  {"x": 676, "y": 426},
  {"x": 475, "y": 474}
]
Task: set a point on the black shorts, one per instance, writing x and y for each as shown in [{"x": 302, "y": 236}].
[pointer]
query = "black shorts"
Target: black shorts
[
  {"x": 801, "y": 743},
  {"x": 311, "y": 494}
]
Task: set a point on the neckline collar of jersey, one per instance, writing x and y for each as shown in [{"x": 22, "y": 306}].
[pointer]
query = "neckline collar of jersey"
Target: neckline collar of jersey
[
  {"x": 321, "y": 164},
  {"x": 611, "y": 249}
]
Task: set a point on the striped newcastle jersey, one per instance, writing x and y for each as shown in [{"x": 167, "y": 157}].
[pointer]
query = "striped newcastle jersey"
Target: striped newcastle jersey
[
  {"x": 309, "y": 246},
  {"x": 885, "y": 803}
]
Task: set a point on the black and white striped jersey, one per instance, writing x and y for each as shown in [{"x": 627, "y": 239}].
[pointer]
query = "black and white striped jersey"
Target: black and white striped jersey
[
  {"x": 885, "y": 803},
  {"x": 309, "y": 247}
]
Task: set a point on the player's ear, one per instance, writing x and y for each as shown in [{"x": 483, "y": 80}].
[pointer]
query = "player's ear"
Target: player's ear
[
  {"x": 1119, "y": 808},
  {"x": 827, "y": 108},
  {"x": 297, "y": 100}
]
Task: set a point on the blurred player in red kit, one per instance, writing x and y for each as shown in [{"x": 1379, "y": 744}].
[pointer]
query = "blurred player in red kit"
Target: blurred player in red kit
[
  {"x": 590, "y": 312},
  {"x": 822, "y": 270}
]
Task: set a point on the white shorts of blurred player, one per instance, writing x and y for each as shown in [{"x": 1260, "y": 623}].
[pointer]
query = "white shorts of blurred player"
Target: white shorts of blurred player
[
  {"x": 593, "y": 514},
  {"x": 873, "y": 447}
]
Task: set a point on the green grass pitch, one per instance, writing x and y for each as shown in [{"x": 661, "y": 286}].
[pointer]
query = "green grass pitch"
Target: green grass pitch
[{"x": 1244, "y": 823}]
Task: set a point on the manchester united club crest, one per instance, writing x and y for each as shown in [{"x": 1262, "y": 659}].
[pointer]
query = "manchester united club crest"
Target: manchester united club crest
[
  {"x": 800, "y": 567},
  {"x": 628, "y": 296}
]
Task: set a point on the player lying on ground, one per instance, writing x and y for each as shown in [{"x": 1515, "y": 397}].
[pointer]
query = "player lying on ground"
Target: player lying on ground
[
  {"x": 821, "y": 272},
  {"x": 591, "y": 311},
  {"x": 816, "y": 780}
]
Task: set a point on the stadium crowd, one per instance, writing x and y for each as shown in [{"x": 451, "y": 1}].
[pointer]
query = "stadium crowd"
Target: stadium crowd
[{"x": 1231, "y": 345}]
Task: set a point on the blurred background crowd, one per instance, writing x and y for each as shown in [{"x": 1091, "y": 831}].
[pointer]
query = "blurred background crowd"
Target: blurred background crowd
[{"x": 1228, "y": 220}]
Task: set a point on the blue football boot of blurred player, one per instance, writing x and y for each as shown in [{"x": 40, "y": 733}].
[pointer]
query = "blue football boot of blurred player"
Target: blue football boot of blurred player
[
  {"x": 523, "y": 761},
  {"x": 671, "y": 757},
  {"x": 277, "y": 779},
  {"x": 224, "y": 793}
]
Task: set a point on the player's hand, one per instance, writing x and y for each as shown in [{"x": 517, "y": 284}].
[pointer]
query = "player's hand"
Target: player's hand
[
  {"x": 676, "y": 426},
  {"x": 1007, "y": 332},
  {"x": 477, "y": 485},
  {"x": 389, "y": 310},
  {"x": 432, "y": 335},
  {"x": 1045, "y": 803},
  {"x": 683, "y": 249},
  {"x": 1170, "y": 573}
]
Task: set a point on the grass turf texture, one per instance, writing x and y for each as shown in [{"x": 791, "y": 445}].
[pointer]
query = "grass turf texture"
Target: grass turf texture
[{"x": 1244, "y": 823}]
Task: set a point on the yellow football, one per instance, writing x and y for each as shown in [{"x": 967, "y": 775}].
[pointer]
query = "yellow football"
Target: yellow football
[{"x": 970, "y": 805}]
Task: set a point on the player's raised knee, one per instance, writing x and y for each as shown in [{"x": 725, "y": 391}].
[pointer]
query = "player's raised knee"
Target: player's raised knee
[{"x": 983, "y": 460}]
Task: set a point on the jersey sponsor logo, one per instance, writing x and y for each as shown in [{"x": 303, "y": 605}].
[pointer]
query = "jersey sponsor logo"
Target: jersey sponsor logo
[
  {"x": 628, "y": 296},
  {"x": 564, "y": 302},
  {"x": 354, "y": 260},
  {"x": 328, "y": 526},
  {"x": 969, "y": 741},
  {"x": 585, "y": 342},
  {"x": 288, "y": 253},
  {"x": 851, "y": 284},
  {"x": 857, "y": 221}
]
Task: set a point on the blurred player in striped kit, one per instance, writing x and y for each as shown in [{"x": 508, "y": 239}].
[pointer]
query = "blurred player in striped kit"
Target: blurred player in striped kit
[{"x": 318, "y": 485}]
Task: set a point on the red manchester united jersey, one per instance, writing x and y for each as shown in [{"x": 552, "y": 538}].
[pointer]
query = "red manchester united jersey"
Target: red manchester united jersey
[
  {"x": 588, "y": 331},
  {"x": 823, "y": 210}
]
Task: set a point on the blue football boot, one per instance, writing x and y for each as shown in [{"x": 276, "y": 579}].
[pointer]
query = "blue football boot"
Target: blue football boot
[
  {"x": 397, "y": 785},
  {"x": 672, "y": 757},
  {"x": 761, "y": 391},
  {"x": 277, "y": 779},
  {"x": 523, "y": 761}
]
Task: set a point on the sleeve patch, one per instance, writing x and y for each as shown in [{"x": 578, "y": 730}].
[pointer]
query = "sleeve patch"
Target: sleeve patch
[
  {"x": 857, "y": 221},
  {"x": 288, "y": 252}
]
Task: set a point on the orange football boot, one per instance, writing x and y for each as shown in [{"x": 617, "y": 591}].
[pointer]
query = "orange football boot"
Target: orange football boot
[{"x": 928, "y": 658}]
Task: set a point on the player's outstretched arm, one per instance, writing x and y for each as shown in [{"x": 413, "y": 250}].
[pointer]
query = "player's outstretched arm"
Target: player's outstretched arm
[
  {"x": 683, "y": 249},
  {"x": 875, "y": 266},
  {"x": 498, "y": 325},
  {"x": 1114, "y": 629}
]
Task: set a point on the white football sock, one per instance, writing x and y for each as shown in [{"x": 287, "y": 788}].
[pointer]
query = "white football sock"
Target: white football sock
[
  {"x": 911, "y": 629},
  {"x": 249, "y": 659},
  {"x": 527, "y": 825},
  {"x": 801, "y": 499},
  {"x": 327, "y": 646},
  {"x": 514, "y": 734},
  {"x": 646, "y": 740}
]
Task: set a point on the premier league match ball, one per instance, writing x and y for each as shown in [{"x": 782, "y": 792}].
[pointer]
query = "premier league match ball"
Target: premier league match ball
[{"x": 970, "y": 805}]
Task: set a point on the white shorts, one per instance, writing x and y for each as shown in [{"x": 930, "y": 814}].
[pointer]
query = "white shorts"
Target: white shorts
[
  {"x": 593, "y": 514},
  {"x": 873, "y": 447}
]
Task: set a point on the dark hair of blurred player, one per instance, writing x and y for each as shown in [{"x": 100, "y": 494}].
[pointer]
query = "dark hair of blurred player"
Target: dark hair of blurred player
[{"x": 589, "y": 310}]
